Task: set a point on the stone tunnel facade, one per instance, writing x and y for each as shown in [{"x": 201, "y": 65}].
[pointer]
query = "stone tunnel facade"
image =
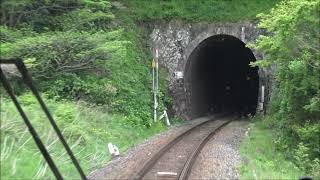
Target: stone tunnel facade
[{"x": 175, "y": 42}]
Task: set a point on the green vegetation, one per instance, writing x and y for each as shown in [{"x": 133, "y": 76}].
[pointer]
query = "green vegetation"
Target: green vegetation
[
  {"x": 88, "y": 65},
  {"x": 262, "y": 159},
  {"x": 294, "y": 113},
  {"x": 92, "y": 63},
  {"x": 87, "y": 128},
  {"x": 87, "y": 57},
  {"x": 199, "y": 10}
]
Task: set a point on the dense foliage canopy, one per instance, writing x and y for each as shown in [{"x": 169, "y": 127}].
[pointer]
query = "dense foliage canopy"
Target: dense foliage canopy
[
  {"x": 78, "y": 50},
  {"x": 91, "y": 63},
  {"x": 293, "y": 47},
  {"x": 87, "y": 59},
  {"x": 198, "y": 10}
]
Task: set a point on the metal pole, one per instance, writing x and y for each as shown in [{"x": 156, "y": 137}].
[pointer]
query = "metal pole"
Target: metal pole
[
  {"x": 157, "y": 79},
  {"x": 32, "y": 131},
  {"x": 262, "y": 99},
  {"x": 28, "y": 81},
  {"x": 157, "y": 72},
  {"x": 154, "y": 92}
]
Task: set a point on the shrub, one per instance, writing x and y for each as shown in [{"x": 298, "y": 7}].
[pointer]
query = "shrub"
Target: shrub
[{"x": 293, "y": 46}]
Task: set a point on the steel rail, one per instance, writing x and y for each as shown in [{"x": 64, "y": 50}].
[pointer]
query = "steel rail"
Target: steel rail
[
  {"x": 191, "y": 160},
  {"x": 153, "y": 160}
]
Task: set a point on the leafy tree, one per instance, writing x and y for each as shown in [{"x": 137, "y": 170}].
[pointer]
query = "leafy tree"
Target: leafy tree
[
  {"x": 55, "y": 53},
  {"x": 293, "y": 46},
  {"x": 47, "y": 15}
]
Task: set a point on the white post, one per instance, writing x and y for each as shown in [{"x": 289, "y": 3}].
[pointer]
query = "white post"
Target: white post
[
  {"x": 155, "y": 73},
  {"x": 154, "y": 92},
  {"x": 262, "y": 97},
  {"x": 155, "y": 107},
  {"x": 262, "y": 94}
]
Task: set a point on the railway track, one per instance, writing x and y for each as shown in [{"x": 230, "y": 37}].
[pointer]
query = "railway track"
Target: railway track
[{"x": 175, "y": 159}]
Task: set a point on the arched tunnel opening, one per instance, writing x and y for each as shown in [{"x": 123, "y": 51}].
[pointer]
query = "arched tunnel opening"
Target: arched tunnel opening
[{"x": 219, "y": 78}]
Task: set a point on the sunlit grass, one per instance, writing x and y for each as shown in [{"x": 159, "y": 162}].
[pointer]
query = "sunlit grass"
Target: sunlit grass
[
  {"x": 261, "y": 159},
  {"x": 88, "y": 130}
]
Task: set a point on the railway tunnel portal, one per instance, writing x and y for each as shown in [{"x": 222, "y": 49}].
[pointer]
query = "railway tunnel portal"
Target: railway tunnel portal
[
  {"x": 219, "y": 79},
  {"x": 208, "y": 68}
]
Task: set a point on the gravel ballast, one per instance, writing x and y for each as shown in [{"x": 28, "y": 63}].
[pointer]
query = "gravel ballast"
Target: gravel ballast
[
  {"x": 219, "y": 159},
  {"x": 124, "y": 166}
]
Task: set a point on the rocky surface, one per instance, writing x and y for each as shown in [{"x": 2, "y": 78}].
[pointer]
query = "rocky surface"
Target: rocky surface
[{"x": 176, "y": 40}]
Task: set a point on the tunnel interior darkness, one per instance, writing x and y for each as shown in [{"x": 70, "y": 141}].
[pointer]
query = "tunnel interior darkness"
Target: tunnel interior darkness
[{"x": 220, "y": 79}]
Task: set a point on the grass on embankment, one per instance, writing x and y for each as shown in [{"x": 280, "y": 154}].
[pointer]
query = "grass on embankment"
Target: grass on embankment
[
  {"x": 86, "y": 129},
  {"x": 261, "y": 158},
  {"x": 199, "y": 10}
]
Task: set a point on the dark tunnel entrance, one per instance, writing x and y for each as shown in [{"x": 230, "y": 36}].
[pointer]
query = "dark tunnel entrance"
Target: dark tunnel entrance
[{"x": 219, "y": 78}]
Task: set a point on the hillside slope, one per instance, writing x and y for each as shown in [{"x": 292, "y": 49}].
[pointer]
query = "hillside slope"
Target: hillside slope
[{"x": 91, "y": 61}]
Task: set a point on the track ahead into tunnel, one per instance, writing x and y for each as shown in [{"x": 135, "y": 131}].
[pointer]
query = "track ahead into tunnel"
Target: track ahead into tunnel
[
  {"x": 219, "y": 78},
  {"x": 175, "y": 159}
]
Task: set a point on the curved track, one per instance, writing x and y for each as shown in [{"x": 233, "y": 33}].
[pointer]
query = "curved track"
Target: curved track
[{"x": 175, "y": 160}]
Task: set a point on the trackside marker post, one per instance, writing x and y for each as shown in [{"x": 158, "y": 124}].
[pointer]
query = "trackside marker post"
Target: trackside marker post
[
  {"x": 155, "y": 77},
  {"x": 113, "y": 150},
  {"x": 262, "y": 97},
  {"x": 154, "y": 91}
]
